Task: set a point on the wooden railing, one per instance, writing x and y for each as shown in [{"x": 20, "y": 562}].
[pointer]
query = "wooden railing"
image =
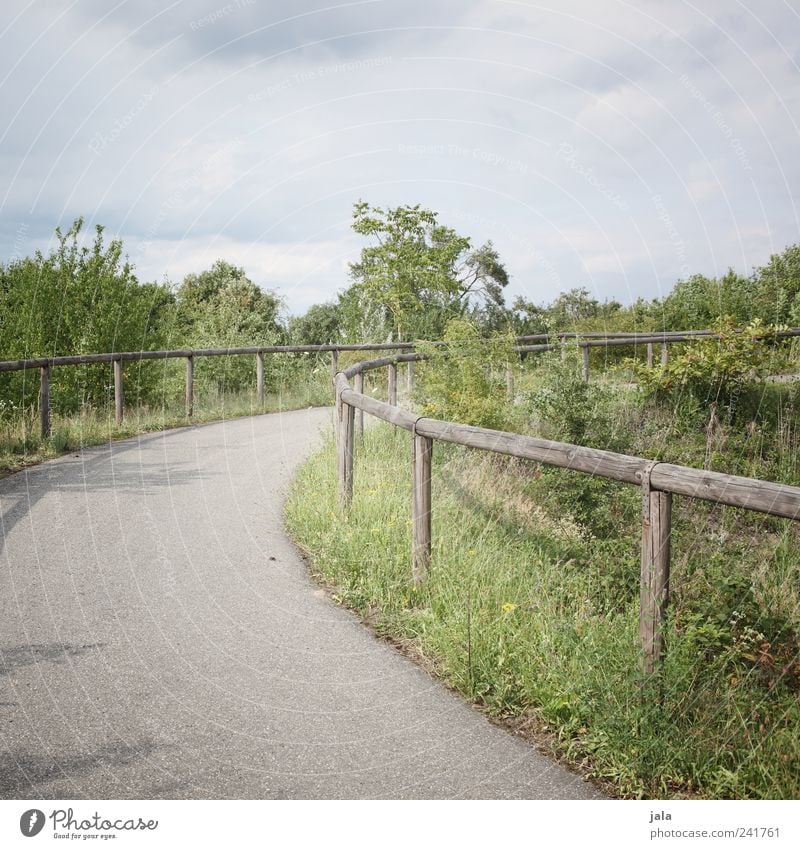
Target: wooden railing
[
  {"x": 585, "y": 341},
  {"x": 658, "y": 482},
  {"x": 44, "y": 364}
]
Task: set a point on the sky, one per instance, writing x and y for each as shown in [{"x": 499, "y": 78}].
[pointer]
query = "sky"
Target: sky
[{"x": 616, "y": 146}]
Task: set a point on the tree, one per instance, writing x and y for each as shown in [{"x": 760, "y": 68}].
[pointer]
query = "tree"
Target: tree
[
  {"x": 80, "y": 299},
  {"x": 320, "y": 325},
  {"x": 222, "y": 305},
  {"x": 421, "y": 273},
  {"x": 777, "y": 288},
  {"x": 222, "y": 308}
]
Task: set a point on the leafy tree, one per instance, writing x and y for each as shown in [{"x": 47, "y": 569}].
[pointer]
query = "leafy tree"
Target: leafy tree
[
  {"x": 79, "y": 299},
  {"x": 321, "y": 325},
  {"x": 222, "y": 308},
  {"x": 528, "y": 318},
  {"x": 421, "y": 273},
  {"x": 222, "y": 305},
  {"x": 777, "y": 288},
  {"x": 699, "y": 301},
  {"x": 571, "y": 307}
]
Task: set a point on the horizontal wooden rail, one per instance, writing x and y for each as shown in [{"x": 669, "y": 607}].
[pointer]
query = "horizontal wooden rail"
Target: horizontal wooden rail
[
  {"x": 631, "y": 340},
  {"x": 126, "y": 356},
  {"x": 44, "y": 364},
  {"x": 658, "y": 482},
  {"x": 611, "y": 334},
  {"x": 678, "y": 337}
]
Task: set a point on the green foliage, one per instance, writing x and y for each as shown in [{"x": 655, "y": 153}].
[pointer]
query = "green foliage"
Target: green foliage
[
  {"x": 464, "y": 379},
  {"x": 420, "y": 274},
  {"x": 321, "y": 325},
  {"x": 78, "y": 299},
  {"x": 717, "y": 370},
  {"x": 222, "y": 308},
  {"x": 565, "y": 407}
]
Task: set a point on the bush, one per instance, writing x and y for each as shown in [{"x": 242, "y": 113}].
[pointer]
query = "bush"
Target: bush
[
  {"x": 565, "y": 407},
  {"x": 460, "y": 378},
  {"x": 716, "y": 370}
]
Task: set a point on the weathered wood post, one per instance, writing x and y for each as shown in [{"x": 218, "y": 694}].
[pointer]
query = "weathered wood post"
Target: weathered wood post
[
  {"x": 410, "y": 378},
  {"x": 421, "y": 456},
  {"x": 393, "y": 384},
  {"x": 119, "y": 392},
  {"x": 509, "y": 383},
  {"x": 359, "y": 387},
  {"x": 334, "y": 365},
  {"x": 44, "y": 400},
  {"x": 346, "y": 428},
  {"x": 664, "y": 353},
  {"x": 189, "y": 387},
  {"x": 260, "y": 377},
  {"x": 649, "y": 355},
  {"x": 654, "y": 591},
  {"x": 585, "y": 366},
  {"x": 563, "y": 347}
]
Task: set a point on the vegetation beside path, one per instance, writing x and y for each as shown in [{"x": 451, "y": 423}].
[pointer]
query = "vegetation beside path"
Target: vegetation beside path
[
  {"x": 21, "y": 445},
  {"x": 531, "y": 607}
]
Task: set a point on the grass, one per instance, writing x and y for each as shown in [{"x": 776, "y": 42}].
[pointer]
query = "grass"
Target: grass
[
  {"x": 21, "y": 444},
  {"x": 531, "y": 608}
]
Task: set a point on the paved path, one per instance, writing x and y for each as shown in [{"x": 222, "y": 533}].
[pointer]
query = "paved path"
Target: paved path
[{"x": 160, "y": 638}]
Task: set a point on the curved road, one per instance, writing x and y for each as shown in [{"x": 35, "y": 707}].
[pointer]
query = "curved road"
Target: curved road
[{"x": 160, "y": 638}]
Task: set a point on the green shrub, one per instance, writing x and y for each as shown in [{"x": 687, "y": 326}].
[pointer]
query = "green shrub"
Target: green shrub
[
  {"x": 464, "y": 379},
  {"x": 716, "y": 370},
  {"x": 564, "y": 407}
]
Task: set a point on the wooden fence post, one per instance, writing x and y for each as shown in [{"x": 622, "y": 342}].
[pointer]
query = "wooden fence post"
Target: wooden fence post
[
  {"x": 649, "y": 355},
  {"x": 189, "y": 387},
  {"x": 664, "y": 353},
  {"x": 585, "y": 366},
  {"x": 421, "y": 455},
  {"x": 410, "y": 378},
  {"x": 654, "y": 591},
  {"x": 346, "y": 428},
  {"x": 359, "y": 387},
  {"x": 119, "y": 392},
  {"x": 393, "y": 384},
  {"x": 44, "y": 400},
  {"x": 334, "y": 365},
  {"x": 509, "y": 383},
  {"x": 260, "y": 377}
]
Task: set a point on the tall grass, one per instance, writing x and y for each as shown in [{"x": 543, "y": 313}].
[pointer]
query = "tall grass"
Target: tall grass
[{"x": 21, "y": 443}]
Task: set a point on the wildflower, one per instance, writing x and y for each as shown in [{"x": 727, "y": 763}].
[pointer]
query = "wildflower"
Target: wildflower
[
  {"x": 508, "y": 607},
  {"x": 471, "y": 552}
]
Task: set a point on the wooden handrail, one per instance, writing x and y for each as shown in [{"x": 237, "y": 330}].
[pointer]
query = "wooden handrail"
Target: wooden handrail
[{"x": 658, "y": 482}]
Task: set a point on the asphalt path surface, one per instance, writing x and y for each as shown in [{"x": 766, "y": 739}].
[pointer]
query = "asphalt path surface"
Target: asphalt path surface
[{"x": 160, "y": 639}]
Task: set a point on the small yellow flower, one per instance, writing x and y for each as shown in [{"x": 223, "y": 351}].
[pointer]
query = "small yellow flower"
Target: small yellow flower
[
  {"x": 508, "y": 607},
  {"x": 471, "y": 552}
]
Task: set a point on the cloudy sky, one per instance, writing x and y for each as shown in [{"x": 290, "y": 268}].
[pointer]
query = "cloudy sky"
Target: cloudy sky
[{"x": 612, "y": 145}]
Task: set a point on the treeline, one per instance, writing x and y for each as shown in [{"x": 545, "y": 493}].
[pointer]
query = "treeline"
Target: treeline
[
  {"x": 85, "y": 299},
  {"x": 417, "y": 275},
  {"x": 413, "y": 277}
]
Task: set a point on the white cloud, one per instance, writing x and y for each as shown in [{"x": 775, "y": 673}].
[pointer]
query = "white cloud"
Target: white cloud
[{"x": 250, "y": 137}]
